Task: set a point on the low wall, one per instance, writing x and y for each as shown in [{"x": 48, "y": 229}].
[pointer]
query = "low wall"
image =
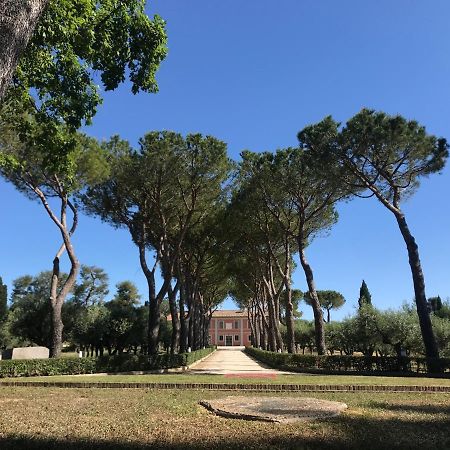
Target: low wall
[{"x": 26, "y": 353}]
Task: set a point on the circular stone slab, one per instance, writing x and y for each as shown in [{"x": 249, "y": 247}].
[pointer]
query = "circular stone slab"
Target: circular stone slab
[{"x": 274, "y": 409}]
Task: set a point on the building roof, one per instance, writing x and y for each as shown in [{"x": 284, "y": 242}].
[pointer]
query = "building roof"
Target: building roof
[
  {"x": 224, "y": 314},
  {"x": 227, "y": 313}
]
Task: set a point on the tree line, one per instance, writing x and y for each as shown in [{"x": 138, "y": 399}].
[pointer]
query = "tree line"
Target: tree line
[
  {"x": 92, "y": 323},
  {"x": 214, "y": 227},
  {"x": 211, "y": 227}
]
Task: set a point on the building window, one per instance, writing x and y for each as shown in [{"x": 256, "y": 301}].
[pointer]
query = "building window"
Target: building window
[
  {"x": 249, "y": 337},
  {"x": 236, "y": 337},
  {"x": 236, "y": 324},
  {"x": 221, "y": 324},
  {"x": 220, "y": 338}
]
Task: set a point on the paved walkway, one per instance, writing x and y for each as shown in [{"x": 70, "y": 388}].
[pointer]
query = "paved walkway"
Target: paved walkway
[{"x": 232, "y": 360}]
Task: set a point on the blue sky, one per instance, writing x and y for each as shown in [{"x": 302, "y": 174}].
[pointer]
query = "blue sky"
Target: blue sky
[{"x": 253, "y": 74}]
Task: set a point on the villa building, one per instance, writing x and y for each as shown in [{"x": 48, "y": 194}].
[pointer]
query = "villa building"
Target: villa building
[{"x": 230, "y": 327}]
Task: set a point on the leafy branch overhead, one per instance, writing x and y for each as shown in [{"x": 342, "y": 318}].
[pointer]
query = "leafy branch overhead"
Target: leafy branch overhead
[{"x": 78, "y": 44}]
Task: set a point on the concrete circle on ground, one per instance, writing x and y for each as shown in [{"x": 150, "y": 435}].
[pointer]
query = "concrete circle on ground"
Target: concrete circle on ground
[{"x": 274, "y": 409}]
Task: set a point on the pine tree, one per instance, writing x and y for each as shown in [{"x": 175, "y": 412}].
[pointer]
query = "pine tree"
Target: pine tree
[
  {"x": 434, "y": 303},
  {"x": 3, "y": 300},
  {"x": 364, "y": 295}
]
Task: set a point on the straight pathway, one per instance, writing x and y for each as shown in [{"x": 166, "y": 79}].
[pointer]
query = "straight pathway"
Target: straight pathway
[{"x": 232, "y": 360}]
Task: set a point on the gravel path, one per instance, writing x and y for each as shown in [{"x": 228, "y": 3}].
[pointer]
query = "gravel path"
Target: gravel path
[{"x": 233, "y": 360}]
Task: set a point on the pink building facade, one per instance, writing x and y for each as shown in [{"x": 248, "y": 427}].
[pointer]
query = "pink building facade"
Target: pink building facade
[{"x": 230, "y": 328}]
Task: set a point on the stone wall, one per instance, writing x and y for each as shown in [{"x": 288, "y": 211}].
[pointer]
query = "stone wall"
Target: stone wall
[{"x": 26, "y": 353}]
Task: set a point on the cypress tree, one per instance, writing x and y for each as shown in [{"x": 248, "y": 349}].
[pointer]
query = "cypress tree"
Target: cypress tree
[
  {"x": 3, "y": 300},
  {"x": 364, "y": 295},
  {"x": 435, "y": 303}
]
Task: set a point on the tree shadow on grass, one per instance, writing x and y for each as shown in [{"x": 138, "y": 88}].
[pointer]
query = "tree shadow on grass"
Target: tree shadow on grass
[
  {"x": 344, "y": 432},
  {"x": 408, "y": 408}
]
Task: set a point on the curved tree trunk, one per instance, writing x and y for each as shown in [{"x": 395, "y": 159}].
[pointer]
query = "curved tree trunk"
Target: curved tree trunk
[
  {"x": 57, "y": 301},
  {"x": 426, "y": 328},
  {"x": 18, "y": 20},
  {"x": 318, "y": 314},
  {"x": 57, "y": 298}
]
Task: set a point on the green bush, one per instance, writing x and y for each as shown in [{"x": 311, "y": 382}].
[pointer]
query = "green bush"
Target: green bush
[
  {"x": 43, "y": 367},
  {"x": 335, "y": 363},
  {"x": 124, "y": 362},
  {"x": 197, "y": 354}
]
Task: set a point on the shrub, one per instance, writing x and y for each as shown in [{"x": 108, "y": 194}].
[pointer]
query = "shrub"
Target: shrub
[
  {"x": 43, "y": 367},
  {"x": 124, "y": 362},
  {"x": 353, "y": 364}
]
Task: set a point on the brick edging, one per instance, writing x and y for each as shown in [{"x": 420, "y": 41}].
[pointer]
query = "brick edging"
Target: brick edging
[{"x": 233, "y": 386}]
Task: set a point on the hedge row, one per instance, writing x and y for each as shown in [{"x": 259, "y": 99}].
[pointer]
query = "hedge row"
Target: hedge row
[
  {"x": 336, "y": 363},
  {"x": 120, "y": 363}
]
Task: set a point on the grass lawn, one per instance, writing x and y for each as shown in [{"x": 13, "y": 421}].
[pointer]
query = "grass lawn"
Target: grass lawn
[
  {"x": 75, "y": 419},
  {"x": 280, "y": 379}
]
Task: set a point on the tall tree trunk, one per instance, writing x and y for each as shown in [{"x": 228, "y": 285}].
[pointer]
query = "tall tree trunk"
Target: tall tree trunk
[
  {"x": 273, "y": 321},
  {"x": 154, "y": 320},
  {"x": 317, "y": 310},
  {"x": 191, "y": 327},
  {"x": 183, "y": 324},
  {"x": 429, "y": 340},
  {"x": 290, "y": 321},
  {"x": 57, "y": 323},
  {"x": 289, "y": 306},
  {"x": 251, "y": 317},
  {"x": 175, "y": 340},
  {"x": 17, "y": 23},
  {"x": 57, "y": 298}
]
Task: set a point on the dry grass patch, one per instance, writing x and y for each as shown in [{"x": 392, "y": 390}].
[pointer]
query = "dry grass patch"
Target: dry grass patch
[{"x": 171, "y": 419}]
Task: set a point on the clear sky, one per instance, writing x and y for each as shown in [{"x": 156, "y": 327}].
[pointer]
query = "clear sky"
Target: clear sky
[{"x": 253, "y": 74}]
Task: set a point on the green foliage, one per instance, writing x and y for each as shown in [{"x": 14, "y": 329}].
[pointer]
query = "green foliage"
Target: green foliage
[
  {"x": 30, "y": 167},
  {"x": 127, "y": 294},
  {"x": 304, "y": 334},
  {"x": 364, "y": 295},
  {"x": 77, "y": 41},
  {"x": 170, "y": 177},
  {"x": 198, "y": 354},
  {"x": 85, "y": 326},
  {"x": 125, "y": 323},
  {"x": 44, "y": 367},
  {"x": 389, "y": 154},
  {"x": 92, "y": 287},
  {"x": 121, "y": 363},
  {"x": 328, "y": 300},
  {"x": 3, "y": 301},
  {"x": 441, "y": 327},
  {"x": 444, "y": 310},
  {"x": 435, "y": 303},
  {"x": 342, "y": 364},
  {"x": 30, "y": 311}
]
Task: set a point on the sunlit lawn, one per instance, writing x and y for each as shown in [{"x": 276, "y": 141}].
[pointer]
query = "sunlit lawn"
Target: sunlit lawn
[
  {"x": 279, "y": 379},
  {"x": 172, "y": 419}
]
